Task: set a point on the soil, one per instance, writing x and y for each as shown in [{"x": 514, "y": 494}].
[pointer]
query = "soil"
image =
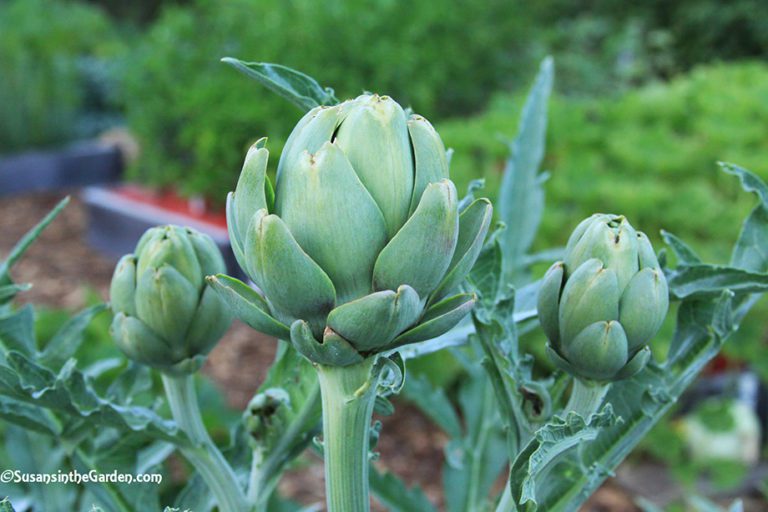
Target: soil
[{"x": 63, "y": 268}]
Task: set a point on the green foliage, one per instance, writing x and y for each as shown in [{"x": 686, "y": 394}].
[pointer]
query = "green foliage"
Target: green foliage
[
  {"x": 648, "y": 154},
  {"x": 195, "y": 118},
  {"x": 50, "y": 53}
]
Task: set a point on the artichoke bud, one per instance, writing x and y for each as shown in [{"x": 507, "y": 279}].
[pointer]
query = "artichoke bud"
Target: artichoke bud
[
  {"x": 601, "y": 306},
  {"x": 264, "y": 418},
  {"x": 365, "y": 237},
  {"x": 165, "y": 314}
]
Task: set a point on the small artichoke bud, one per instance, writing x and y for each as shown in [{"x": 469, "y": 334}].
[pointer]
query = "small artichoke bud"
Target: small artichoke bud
[
  {"x": 364, "y": 247},
  {"x": 166, "y": 315},
  {"x": 602, "y": 305},
  {"x": 264, "y": 418}
]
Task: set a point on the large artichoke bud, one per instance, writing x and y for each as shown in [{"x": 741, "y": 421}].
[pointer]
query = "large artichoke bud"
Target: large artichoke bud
[
  {"x": 166, "y": 315},
  {"x": 601, "y": 305},
  {"x": 361, "y": 246}
]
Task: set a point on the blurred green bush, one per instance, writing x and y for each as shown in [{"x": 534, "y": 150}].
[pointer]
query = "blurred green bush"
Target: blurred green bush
[
  {"x": 51, "y": 61},
  {"x": 192, "y": 113}
]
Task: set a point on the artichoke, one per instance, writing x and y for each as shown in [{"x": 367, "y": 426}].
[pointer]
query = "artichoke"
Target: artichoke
[
  {"x": 361, "y": 246},
  {"x": 603, "y": 303},
  {"x": 165, "y": 314}
]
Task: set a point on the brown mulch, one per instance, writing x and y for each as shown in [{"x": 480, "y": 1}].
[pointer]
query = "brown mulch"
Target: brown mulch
[{"x": 63, "y": 268}]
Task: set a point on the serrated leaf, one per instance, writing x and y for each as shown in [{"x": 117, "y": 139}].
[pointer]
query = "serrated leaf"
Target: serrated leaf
[
  {"x": 67, "y": 340},
  {"x": 135, "y": 379},
  {"x": 28, "y": 416},
  {"x": 691, "y": 281},
  {"x": 521, "y": 196},
  {"x": 6, "y": 505},
  {"x": 749, "y": 182},
  {"x": 393, "y": 493},
  {"x": 70, "y": 392},
  {"x": 296, "y": 87},
  {"x": 17, "y": 330},
  {"x": 751, "y": 249},
  {"x": 559, "y": 437},
  {"x": 685, "y": 255}
]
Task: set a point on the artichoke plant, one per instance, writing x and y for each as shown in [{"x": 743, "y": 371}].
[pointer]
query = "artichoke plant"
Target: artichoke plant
[
  {"x": 360, "y": 247},
  {"x": 166, "y": 315},
  {"x": 604, "y": 302}
]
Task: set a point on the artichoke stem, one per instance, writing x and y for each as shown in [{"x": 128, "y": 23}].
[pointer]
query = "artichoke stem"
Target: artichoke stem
[
  {"x": 348, "y": 394},
  {"x": 586, "y": 397},
  {"x": 203, "y": 455}
]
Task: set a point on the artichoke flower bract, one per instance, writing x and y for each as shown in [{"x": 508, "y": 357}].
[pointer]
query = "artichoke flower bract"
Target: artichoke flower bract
[
  {"x": 601, "y": 305},
  {"x": 360, "y": 247},
  {"x": 166, "y": 315}
]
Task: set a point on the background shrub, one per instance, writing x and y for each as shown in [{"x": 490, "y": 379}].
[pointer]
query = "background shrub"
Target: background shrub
[
  {"x": 52, "y": 71},
  {"x": 191, "y": 112}
]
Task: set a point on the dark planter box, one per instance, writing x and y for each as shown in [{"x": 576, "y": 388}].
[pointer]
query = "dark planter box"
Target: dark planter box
[
  {"x": 81, "y": 164},
  {"x": 117, "y": 219}
]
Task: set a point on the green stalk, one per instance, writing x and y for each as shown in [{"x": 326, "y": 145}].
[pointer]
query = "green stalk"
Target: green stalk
[
  {"x": 348, "y": 395},
  {"x": 203, "y": 455},
  {"x": 586, "y": 397}
]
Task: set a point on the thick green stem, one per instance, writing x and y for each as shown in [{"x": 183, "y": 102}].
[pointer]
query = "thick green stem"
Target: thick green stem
[
  {"x": 203, "y": 455},
  {"x": 586, "y": 397},
  {"x": 348, "y": 395}
]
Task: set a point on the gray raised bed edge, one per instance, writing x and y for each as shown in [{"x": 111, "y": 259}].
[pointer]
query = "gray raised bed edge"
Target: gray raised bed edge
[
  {"x": 115, "y": 224},
  {"x": 83, "y": 163}
]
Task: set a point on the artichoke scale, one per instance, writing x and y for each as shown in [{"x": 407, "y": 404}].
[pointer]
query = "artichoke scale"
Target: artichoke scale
[
  {"x": 373, "y": 321},
  {"x": 420, "y": 253},
  {"x": 248, "y": 306},
  {"x": 590, "y": 294},
  {"x": 334, "y": 219},
  {"x": 474, "y": 222}
]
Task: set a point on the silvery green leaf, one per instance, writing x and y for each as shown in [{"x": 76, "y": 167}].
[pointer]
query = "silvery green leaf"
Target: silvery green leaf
[
  {"x": 298, "y": 88},
  {"x": 701, "y": 281},
  {"x": 67, "y": 340},
  {"x": 393, "y": 493},
  {"x": 685, "y": 255},
  {"x": 17, "y": 330},
  {"x": 558, "y": 438},
  {"x": 751, "y": 249},
  {"x": 70, "y": 392},
  {"x": 521, "y": 197},
  {"x": 749, "y": 182},
  {"x": 30, "y": 452},
  {"x": 28, "y": 416}
]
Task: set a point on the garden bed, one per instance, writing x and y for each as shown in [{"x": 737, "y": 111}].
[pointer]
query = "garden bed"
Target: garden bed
[
  {"x": 77, "y": 165},
  {"x": 119, "y": 215}
]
